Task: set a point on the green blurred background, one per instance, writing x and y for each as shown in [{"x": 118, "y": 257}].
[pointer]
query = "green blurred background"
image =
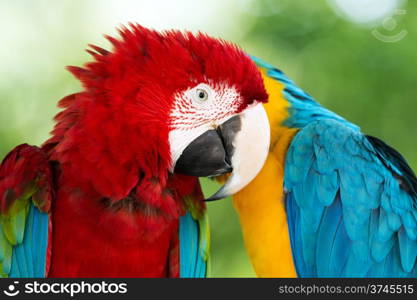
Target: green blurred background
[{"x": 357, "y": 57}]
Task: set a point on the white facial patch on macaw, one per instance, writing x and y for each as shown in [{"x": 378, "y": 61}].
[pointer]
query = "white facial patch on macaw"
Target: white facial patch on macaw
[{"x": 197, "y": 110}]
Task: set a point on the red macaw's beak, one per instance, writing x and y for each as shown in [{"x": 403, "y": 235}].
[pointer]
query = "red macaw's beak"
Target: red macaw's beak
[{"x": 238, "y": 146}]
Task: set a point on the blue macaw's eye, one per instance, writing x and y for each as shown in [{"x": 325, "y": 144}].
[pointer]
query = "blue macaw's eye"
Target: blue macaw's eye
[{"x": 202, "y": 95}]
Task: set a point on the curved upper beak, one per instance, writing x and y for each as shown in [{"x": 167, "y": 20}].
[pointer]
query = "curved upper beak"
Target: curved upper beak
[{"x": 238, "y": 146}]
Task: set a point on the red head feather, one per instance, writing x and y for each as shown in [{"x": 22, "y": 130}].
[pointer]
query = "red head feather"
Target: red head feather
[{"x": 113, "y": 136}]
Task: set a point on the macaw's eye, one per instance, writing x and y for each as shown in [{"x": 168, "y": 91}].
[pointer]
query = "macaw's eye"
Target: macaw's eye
[{"x": 202, "y": 95}]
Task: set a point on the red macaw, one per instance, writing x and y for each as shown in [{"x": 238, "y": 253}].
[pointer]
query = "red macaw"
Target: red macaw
[{"x": 115, "y": 192}]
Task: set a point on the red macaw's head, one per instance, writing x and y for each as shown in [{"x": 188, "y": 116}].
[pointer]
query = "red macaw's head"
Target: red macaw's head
[{"x": 166, "y": 102}]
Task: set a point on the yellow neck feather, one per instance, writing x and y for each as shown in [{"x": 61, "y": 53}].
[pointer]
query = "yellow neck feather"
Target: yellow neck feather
[{"x": 260, "y": 205}]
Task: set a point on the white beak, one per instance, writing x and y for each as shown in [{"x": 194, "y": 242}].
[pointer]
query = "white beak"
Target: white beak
[{"x": 251, "y": 147}]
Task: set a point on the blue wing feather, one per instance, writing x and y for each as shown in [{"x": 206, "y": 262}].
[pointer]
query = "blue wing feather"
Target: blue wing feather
[
  {"x": 361, "y": 225},
  {"x": 40, "y": 238},
  {"x": 188, "y": 236},
  {"x": 332, "y": 218},
  {"x": 29, "y": 245},
  {"x": 29, "y": 257},
  {"x": 193, "y": 247},
  {"x": 14, "y": 271}
]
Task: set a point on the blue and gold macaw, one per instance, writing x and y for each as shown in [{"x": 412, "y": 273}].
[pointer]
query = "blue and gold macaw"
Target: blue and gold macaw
[{"x": 330, "y": 201}]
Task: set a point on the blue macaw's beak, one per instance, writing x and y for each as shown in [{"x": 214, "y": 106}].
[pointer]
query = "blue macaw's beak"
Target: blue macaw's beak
[{"x": 238, "y": 146}]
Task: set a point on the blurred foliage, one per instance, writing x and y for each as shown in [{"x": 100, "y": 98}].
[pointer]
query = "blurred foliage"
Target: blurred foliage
[{"x": 342, "y": 64}]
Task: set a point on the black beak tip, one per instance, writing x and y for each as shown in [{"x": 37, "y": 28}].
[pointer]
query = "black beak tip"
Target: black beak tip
[
  {"x": 217, "y": 196},
  {"x": 220, "y": 194}
]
